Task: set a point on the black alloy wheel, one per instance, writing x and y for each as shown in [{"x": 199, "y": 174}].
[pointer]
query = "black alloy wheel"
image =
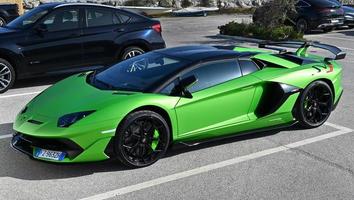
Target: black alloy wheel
[
  {"x": 131, "y": 52},
  {"x": 2, "y": 22},
  {"x": 316, "y": 104},
  {"x": 142, "y": 139},
  {"x": 7, "y": 76}
]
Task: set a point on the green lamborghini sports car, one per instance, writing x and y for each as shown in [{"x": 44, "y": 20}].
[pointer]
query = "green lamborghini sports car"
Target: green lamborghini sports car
[{"x": 135, "y": 110}]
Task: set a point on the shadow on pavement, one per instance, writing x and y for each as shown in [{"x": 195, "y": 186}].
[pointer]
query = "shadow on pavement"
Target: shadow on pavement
[{"x": 20, "y": 166}]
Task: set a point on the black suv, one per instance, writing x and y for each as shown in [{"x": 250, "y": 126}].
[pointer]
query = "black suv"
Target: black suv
[
  {"x": 64, "y": 38},
  {"x": 318, "y": 14}
]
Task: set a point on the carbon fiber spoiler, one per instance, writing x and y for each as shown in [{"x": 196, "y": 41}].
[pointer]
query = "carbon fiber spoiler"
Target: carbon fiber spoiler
[{"x": 302, "y": 47}]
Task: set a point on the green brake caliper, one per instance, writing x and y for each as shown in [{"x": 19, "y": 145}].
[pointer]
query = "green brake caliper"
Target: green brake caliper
[{"x": 155, "y": 140}]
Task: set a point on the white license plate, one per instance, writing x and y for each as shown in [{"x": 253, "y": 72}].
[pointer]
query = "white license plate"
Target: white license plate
[
  {"x": 48, "y": 154},
  {"x": 335, "y": 21}
]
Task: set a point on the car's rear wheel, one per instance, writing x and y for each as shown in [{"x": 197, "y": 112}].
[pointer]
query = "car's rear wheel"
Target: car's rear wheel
[
  {"x": 131, "y": 52},
  {"x": 142, "y": 139},
  {"x": 329, "y": 29},
  {"x": 315, "y": 105},
  {"x": 7, "y": 76},
  {"x": 302, "y": 25},
  {"x": 2, "y": 22}
]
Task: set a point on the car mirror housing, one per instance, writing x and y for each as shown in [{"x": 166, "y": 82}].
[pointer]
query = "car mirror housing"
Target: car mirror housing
[
  {"x": 42, "y": 28},
  {"x": 181, "y": 88}
]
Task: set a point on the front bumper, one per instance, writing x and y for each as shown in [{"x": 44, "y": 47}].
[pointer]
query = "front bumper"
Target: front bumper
[
  {"x": 26, "y": 145},
  {"x": 74, "y": 153}
]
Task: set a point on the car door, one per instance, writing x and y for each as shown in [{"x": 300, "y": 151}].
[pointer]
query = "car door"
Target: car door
[
  {"x": 102, "y": 27},
  {"x": 54, "y": 43},
  {"x": 221, "y": 98}
]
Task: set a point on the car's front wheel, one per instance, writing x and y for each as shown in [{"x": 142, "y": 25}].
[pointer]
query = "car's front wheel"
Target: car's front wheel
[
  {"x": 315, "y": 105},
  {"x": 7, "y": 75},
  {"x": 142, "y": 139}
]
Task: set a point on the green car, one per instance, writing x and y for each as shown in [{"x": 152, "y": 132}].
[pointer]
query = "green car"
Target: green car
[{"x": 135, "y": 110}]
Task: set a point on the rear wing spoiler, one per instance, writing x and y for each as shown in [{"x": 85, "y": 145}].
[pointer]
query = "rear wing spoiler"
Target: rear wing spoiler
[{"x": 303, "y": 47}]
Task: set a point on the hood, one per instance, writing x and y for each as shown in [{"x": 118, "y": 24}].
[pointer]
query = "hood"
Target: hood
[{"x": 74, "y": 94}]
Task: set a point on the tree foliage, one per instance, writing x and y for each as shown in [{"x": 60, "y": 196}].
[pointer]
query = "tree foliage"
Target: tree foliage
[
  {"x": 186, "y": 3},
  {"x": 274, "y": 13}
]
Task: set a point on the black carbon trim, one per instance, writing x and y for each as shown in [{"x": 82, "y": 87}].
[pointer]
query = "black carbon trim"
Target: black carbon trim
[
  {"x": 25, "y": 144},
  {"x": 273, "y": 97}
]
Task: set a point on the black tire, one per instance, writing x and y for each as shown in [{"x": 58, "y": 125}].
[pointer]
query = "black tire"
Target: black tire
[
  {"x": 136, "y": 142},
  {"x": 315, "y": 105},
  {"x": 7, "y": 76},
  {"x": 327, "y": 30},
  {"x": 131, "y": 52},
  {"x": 302, "y": 25},
  {"x": 2, "y": 22},
  {"x": 351, "y": 26}
]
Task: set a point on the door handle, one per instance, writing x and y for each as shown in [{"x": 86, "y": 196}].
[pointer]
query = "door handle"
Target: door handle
[
  {"x": 75, "y": 35},
  {"x": 247, "y": 87},
  {"x": 119, "y": 30}
]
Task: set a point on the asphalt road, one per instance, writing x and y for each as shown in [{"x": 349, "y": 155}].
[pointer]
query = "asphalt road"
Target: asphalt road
[{"x": 283, "y": 164}]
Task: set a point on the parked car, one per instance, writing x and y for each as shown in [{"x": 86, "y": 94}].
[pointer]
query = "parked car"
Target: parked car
[
  {"x": 61, "y": 38},
  {"x": 136, "y": 109},
  {"x": 8, "y": 12},
  {"x": 318, "y": 14},
  {"x": 348, "y": 16}
]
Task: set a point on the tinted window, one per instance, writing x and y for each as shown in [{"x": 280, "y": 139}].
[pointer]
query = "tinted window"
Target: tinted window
[
  {"x": 123, "y": 18},
  {"x": 139, "y": 73},
  {"x": 214, "y": 73},
  {"x": 248, "y": 67},
  {"x": 63, "y": 19},
  {"x": 28, "y": 19},
  {"x": 101, "y": 17}
]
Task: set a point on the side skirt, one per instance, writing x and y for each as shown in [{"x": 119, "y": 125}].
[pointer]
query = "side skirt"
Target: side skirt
[{"x": 272, "y": 128}]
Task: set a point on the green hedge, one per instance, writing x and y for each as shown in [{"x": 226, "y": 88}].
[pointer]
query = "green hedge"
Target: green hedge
[{"x": 256, "y": 31}]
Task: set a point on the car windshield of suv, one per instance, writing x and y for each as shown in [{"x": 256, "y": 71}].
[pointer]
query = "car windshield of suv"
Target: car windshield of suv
[
  {"x": 138, "y": 73},
  {"x": 28, "y": 19}
]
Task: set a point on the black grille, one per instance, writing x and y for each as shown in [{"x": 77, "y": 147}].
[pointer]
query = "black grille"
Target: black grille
[{"x": 25, "y": 144}]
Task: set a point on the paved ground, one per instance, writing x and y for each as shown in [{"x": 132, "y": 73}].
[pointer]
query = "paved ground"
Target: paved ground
[{"x": 285, "y": 164}]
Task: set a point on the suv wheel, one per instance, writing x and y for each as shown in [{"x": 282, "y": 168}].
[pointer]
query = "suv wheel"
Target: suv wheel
[
  {"x": 2, "y": 22},
  {"x": 7, "y": 75},
  {"x": 302, "y": 25},
  {"x": 131, "y": 52}
]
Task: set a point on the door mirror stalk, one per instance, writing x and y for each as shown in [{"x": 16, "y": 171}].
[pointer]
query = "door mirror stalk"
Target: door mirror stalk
[{"x": 181, "y": 88}]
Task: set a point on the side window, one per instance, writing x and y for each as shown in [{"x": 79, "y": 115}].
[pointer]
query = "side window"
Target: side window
[
  {"x": 101, "y": 17},
  {"x": 248, "y": 67},
  {"x": 214, "y": 73},
  {"x": 63, "y": 19},
  {"x": 123, "y": 17}
]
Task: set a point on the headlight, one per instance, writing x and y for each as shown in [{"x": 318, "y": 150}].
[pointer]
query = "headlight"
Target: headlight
[{"x": 69, "y": 119}]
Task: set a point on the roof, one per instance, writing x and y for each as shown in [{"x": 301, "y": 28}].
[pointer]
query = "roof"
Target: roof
[{"x": 201, "y": 53}]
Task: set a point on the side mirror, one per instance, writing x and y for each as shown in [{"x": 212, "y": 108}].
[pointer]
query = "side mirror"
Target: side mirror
[
  {"x": 42, "y": 28},
  {"x": 182, "y": 88}
]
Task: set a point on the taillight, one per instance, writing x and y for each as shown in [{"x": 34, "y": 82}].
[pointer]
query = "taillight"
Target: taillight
[{"x": 157, "y": 28}]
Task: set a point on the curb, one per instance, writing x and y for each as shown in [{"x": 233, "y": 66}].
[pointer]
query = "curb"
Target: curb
[{"x": 239, "y": 38}]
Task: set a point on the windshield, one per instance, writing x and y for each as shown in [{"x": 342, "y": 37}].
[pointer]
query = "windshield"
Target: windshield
[
  {"x": 28, "y": 19},
  {"x": 139, "y": 73}
]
